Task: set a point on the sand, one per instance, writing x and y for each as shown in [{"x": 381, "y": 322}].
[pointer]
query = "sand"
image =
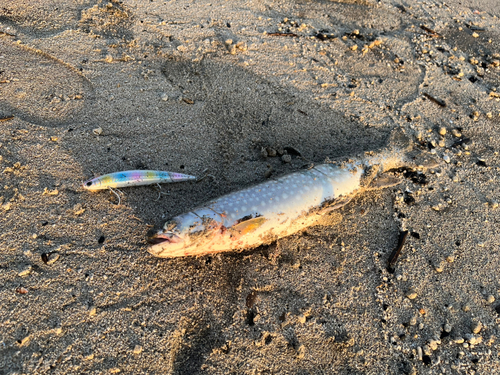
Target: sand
[{"x": 198, "y": 87}]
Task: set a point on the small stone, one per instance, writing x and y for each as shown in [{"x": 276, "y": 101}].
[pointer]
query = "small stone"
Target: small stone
[
  {"x": 433, "y": 344},
  {"x": 302, "y": 319},
  {"x": 442, "y": 143},
  {"x": 442, "y": 130},
  {"x": 301, "y": 352},
  {"x": 446, "y": 158},
  {"x": 473, "y": 340},
  {"x": 456, "y": 133},
  {"x": 114, "y": 370},
  {"x": 459, "y": 340},
  {"x": 97, "y": 131},
  {"x": 413, "y": 321},
  {"x": 50, "y": 192},
  {"x": 25, "y": 341},
  {"x": 475, "y": 35},
  {"x": 450, "y": 258},
  {"x": 138, "y": 349},
  {"x": 263, "y": 152},
  {"x": 494, "y": 204},
  {"x": 411, "y": 295},
  {"x": 53, "y": 257},
  {"x": 228, "y": 42},
  {"x": 7, "y": 206},
  {"x": 490, "y": 299},
  {"x": 242, "y": 46},
  {"x": 271, "y": 152},
  {"x": 22, "y": 290},
  {"x": 25, "y": 272},
  {"x": 354, "y": 47},
  {"x": 466, "y": 308},
  {"x": 476, "y": 327},
  {"x": 447, "y": 328},
  {"x": 164, "y": 97},
  {"x": 93, "y": 311},
  {"x": 286, "y": 158}
]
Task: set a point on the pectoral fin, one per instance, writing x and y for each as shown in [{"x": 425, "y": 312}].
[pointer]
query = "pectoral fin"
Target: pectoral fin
[{"x": 248, "y": 226}]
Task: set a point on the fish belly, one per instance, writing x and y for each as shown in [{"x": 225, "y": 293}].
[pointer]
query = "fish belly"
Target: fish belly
[{"x": 277, "y": 208}]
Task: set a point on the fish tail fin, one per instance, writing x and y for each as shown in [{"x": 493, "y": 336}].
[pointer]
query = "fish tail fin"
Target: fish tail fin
[{"x": 401, "y": 153}]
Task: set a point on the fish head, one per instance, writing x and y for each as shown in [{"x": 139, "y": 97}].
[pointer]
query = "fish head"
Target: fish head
[
  {"x": 93, "y": 184},
  {"x": 187, "y": 234}
]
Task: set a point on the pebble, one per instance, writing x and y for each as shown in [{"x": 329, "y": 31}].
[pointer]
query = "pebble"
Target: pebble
[
  {"x": 138, "y": 349},
  {"x": 473, "y": 340},
  {"x": 97, "y": 131},
  {"x": 411, "y": 295},
  {"x": 271, "y": 152},
  {"x": 490, "y": 299},
  {"x": 433, "y": 344},
  {"x": 25, "y": 341},
  {"x": 476, "y": 327},
  {"x": 442, "y": 130},
  {"x": 456, "y": 133},
  {"x": 25, "y": 272},
  {"x": 439, "y": 267},
  {"x": 164, "y": 97},
  {"x": 447, "y": 327},
  {"x": 475, "y": 35},
  {"x": 52, "y": 258},
  {"x": 286, "y": 158},
  {"x": 22, "y": 290},
  {"x": 446, "y": 158},
  {"x": 93, "y": 311}
]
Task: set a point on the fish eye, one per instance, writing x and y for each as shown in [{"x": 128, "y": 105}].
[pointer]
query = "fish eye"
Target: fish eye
[{"x": 89, "y": 183}]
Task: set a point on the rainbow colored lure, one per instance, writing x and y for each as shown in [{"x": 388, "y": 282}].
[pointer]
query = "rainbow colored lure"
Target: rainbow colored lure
[{"x": 134, "y": 178}]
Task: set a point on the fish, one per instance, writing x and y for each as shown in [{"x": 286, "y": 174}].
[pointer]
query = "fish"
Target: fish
[
  {"x": 274, "y": 209},
  {"x": 134, "y": 178}
]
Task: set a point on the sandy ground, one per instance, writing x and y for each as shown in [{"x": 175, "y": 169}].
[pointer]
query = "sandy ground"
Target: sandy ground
[{"x": 91, "y": 87}]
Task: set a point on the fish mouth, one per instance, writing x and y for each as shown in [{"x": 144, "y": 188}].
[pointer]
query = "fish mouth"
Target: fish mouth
[
  {"x": 166, "y": 245},
  {"x": 164, "y": 237}
]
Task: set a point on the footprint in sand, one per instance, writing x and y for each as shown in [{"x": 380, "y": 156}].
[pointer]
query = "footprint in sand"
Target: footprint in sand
[{"x": 39, "y": 88}]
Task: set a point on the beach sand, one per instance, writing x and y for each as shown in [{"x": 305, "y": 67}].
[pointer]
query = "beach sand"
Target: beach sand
[{"x": 198, "y": 87}]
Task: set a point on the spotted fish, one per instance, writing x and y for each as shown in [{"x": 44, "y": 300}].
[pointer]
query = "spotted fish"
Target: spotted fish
[
  {"x": 274, "y": 209},
  {"x": 134, "y": 178}
]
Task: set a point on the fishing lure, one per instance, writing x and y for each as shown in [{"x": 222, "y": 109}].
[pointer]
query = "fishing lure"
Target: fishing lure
[
  {"x": 134, "y": 178},
  {"x": 274, "y": 209}
]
